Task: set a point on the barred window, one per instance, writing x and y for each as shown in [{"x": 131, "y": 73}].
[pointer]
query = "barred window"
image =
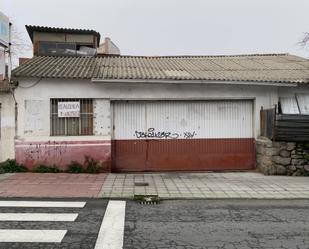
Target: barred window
[{"x": 78, "y": 123}]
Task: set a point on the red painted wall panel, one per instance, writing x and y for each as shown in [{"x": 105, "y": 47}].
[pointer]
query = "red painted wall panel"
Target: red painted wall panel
[
  {"x": 183, "y": 154},
  {"x": 61, "y": 153}
]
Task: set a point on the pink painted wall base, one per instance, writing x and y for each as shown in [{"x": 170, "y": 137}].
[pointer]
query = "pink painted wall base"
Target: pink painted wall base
[{"x": 61, "y": 153}]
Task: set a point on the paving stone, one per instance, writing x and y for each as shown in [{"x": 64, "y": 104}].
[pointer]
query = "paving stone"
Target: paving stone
[{"x": 180, "y": 185}]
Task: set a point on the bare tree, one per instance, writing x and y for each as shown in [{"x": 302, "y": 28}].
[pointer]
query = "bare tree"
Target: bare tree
[
  {"x": 305, "y": 40},
  {"x": 18, "y": 45}
]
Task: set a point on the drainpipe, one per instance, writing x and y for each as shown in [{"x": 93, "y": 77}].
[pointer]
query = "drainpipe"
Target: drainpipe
[{"x": 16, "y": 115}]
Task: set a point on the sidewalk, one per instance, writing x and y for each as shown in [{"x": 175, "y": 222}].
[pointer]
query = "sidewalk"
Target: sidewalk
[
  {"x": 246, "y": 185},
  {"x": 206, "y": 185},
  {"x": 51, "y": 185}
]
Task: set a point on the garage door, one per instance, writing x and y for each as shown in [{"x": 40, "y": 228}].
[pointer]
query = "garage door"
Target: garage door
[{"x": 183, "y": 135}]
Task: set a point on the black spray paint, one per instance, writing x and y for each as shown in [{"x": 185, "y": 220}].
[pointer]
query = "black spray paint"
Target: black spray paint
[{"x": 152, "y": 133}]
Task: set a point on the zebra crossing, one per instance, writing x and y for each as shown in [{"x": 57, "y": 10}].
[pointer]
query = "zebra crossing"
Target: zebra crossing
[
  {"x": 36, "y": 235},
  {"x": 62, "y": 224},
  {"x": 64, "y": 204}
]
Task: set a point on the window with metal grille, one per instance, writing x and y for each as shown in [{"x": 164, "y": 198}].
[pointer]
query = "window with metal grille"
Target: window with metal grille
[{"x": 79, "y": 125}]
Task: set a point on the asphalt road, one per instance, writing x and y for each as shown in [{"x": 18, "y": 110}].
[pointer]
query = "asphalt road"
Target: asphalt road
[
  {"x": 212, "y": 224},
  {"x": 248, "y": 224}
]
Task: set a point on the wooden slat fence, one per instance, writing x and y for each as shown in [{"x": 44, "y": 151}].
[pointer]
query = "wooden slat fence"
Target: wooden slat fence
[
  {"x": 284, "y": 127},
  {"x": 267, "y": 121},
  {"x": 292, "y": 128}
]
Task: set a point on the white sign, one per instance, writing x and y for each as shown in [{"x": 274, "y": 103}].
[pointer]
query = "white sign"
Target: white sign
[
  {"x": 4, "y": 30},
  {"x": 68, "y": 109}
]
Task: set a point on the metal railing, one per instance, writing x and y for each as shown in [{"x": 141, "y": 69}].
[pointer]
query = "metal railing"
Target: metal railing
[{"x": 81, "y": 125}]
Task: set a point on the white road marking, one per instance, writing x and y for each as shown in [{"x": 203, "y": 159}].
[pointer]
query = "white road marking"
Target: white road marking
[
  {"x": 34, "y": 236},
  {"x": 37, "y": 217},
  {"x": 112, "y": 228},
  {"x": 63, "y": 204}
]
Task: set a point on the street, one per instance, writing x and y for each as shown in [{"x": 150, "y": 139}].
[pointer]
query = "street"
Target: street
[
  {"x": 211, "y": 224},
  {"x": 224, "y": 224}
]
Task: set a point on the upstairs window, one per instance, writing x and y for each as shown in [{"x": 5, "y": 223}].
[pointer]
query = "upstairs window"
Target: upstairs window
[
  {"x": 63, "y": 48},
  {"x": 71, "y": 117},
  {"x": 56, "y": 48}
]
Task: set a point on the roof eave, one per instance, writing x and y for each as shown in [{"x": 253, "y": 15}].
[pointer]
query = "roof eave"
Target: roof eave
[{"x": 257, "y": 83}]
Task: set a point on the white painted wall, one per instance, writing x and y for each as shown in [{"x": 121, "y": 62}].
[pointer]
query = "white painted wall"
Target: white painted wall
[
  {"x": 102, "y": 117},
  {"x": 266, "y": 96},
  {"x": 7, "y": 128},
  {"x": 291, "y": 91},
  {"x": 183, "y": 119}
]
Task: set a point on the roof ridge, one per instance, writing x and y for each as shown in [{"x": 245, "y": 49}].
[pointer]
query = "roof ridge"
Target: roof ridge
[
  {"x": 171, "y": 56},
  {"x": 201, "y": 56}
]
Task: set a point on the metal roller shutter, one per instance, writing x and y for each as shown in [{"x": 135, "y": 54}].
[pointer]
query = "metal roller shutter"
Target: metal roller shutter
[{"x": 183, "y": 135}]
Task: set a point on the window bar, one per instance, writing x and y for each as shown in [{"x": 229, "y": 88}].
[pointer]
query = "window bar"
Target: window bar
[{"x": 67, "y": 126}]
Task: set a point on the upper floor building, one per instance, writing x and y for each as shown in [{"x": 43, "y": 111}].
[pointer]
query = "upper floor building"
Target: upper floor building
[{"x": 63, "y": 41}]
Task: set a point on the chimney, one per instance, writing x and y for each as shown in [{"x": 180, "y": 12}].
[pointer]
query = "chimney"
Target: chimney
[
  {"x": 22, "y": 60},
  {"x": 108, "y": 48}
]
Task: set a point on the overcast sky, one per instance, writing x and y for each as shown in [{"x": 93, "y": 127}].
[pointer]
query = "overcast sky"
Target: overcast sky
[{"x": 176, "y": 27}]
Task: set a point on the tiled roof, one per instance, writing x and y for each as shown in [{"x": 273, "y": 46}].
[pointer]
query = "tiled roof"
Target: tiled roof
[
  {"x": 32, "y": 28},
  {"x": 283, "y": 68},
  {"x": 4, "y": 86}
]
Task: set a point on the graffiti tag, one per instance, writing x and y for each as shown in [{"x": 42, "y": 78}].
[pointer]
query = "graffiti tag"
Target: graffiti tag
[
  {"x": 49, "y": 150},
  {"x": 152, "y": 133}
]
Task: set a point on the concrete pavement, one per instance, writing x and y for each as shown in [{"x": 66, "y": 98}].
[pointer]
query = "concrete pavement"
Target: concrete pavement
[{"x": 246, "y": 185}]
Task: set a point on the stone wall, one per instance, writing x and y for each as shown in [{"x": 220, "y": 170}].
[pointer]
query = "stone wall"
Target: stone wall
[{"x": 282, "y": 158}]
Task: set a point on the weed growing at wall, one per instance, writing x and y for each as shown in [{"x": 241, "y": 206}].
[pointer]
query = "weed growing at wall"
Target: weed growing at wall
[
  {"x": 10, "y": 166},
  {"x": 46, "y": 169},
  {"x": 92, "y": 166},
  {"x": 75, "y": 167}
]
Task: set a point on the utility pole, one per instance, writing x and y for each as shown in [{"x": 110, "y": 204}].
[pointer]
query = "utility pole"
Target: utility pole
[{"x": 10, "y": 53}]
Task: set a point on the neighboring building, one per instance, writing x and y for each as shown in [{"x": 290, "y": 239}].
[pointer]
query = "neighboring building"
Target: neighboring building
[
  {"x": 7, "y": 122},
  {"x": 63, "y": 41},
  {"x": 140, "y": 113},
  {"x": 2, "y": 65}
]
